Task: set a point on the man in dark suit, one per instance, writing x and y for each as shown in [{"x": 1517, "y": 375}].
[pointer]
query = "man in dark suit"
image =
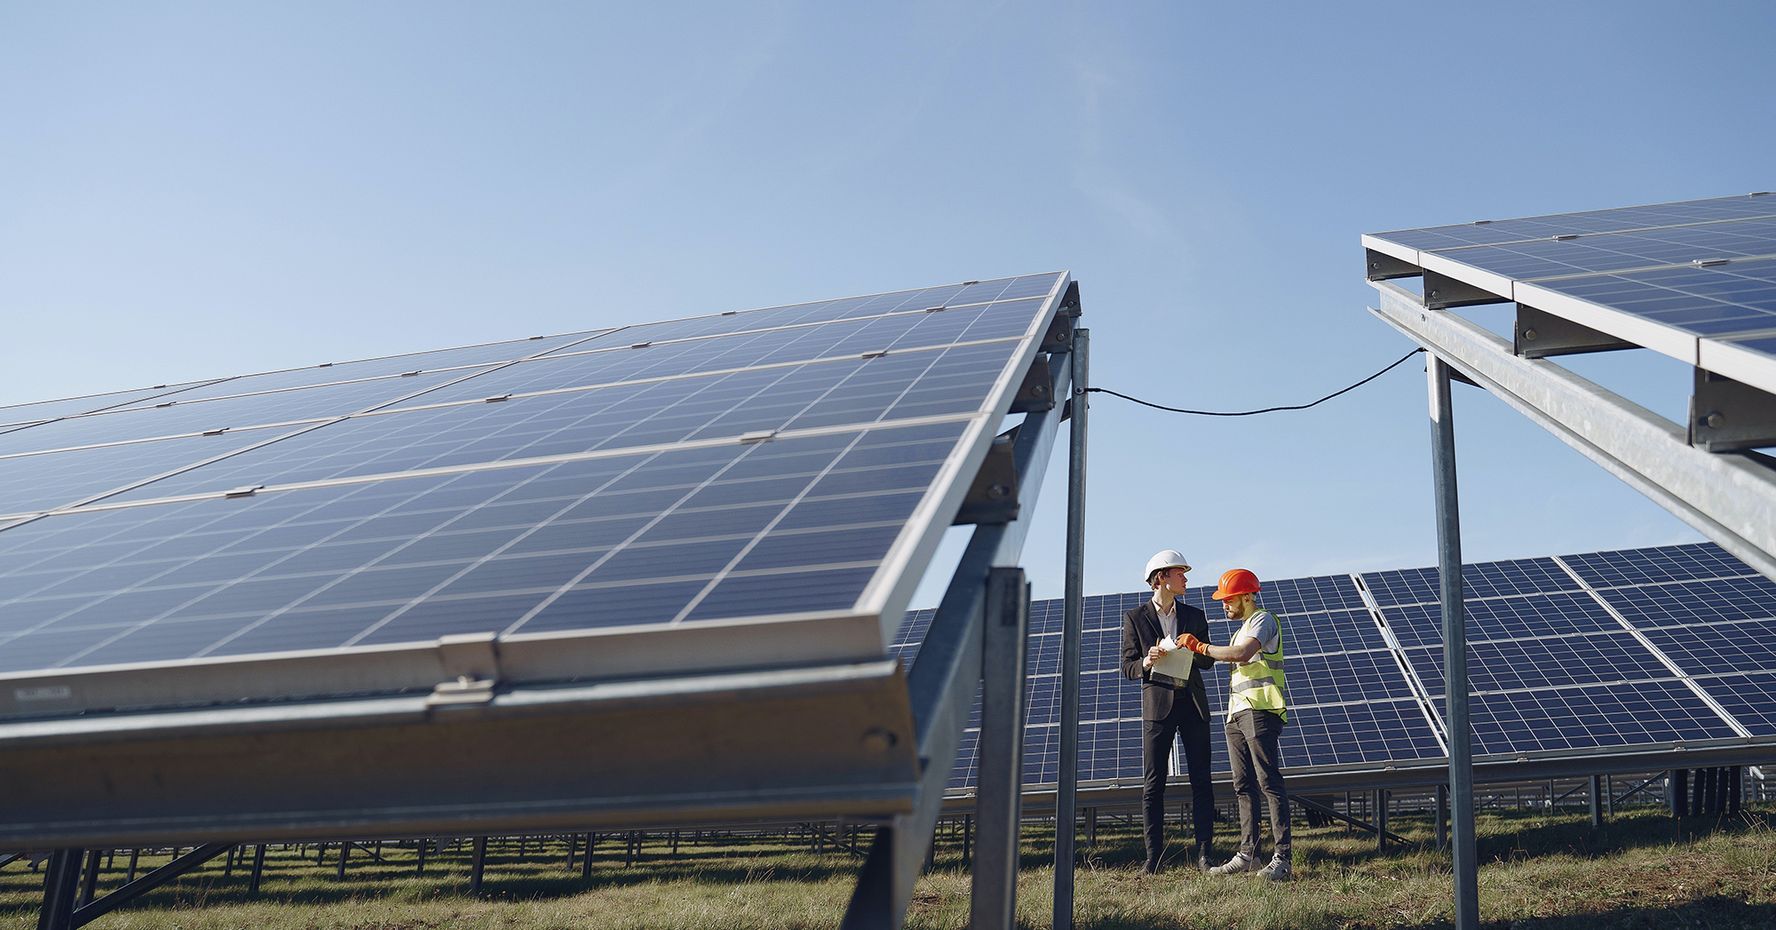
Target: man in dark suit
[{"x": 1169, "y": 705}]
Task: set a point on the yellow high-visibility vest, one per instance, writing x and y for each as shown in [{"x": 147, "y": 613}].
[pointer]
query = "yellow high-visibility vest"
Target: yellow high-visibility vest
[{"x": 1258, "y": 684}]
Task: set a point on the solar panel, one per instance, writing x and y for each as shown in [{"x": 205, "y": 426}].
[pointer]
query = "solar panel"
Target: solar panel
[
  {"x": 465, "y": 357},
  {"x": 1590, "y": 717},
  {"x": 659, "y": 487},
  {"x": 1751, "y": 699},
  {"x": 1657, "y": 564},
  {"x": 15, "y": 415},
  {"x": 1695, "y": 280}
]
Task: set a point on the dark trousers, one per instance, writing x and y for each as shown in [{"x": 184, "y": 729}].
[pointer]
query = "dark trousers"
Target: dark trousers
[
  {"x": 1252, "y": 745},
  {"x": 1156, "y": 753}
]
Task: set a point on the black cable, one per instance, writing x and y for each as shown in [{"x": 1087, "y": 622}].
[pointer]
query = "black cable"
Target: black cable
[{"x": 1247, "y": 413}]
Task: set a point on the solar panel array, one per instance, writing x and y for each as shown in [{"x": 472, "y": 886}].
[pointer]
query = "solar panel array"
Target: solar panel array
[
  {"x": 1566, "y": 655},
  {"x": 1695, "y": 279},
  {"x": 746, "y": 464}
]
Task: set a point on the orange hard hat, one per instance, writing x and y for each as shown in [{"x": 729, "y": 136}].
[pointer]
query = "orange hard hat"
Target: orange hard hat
[{"x": 1234, "y": 582}]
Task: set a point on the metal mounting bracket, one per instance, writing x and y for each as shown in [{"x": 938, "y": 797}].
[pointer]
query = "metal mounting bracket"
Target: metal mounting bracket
[
  {"x": 472, "y": 663},
  {"x": 1035, "y": 393},
  {"x": 1540, "y": 334},
  {"x": 1382, "y": 266},
  {"x": 1442, "y": 292},
  {"x": 993, "y": 497},
  {"x": 1727, "y": 415},
  {"x": 1059, "y": 337}
]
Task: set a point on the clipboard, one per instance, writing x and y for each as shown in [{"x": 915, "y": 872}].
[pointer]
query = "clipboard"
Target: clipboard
[{"x": 1175, "y": 667}]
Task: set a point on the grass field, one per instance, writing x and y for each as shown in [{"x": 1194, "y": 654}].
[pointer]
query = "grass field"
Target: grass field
[{"x": 1538, "y": 870}]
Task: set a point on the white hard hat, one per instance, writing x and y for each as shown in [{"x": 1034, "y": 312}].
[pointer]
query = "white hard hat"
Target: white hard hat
[{"x": 1165, "y": 558}]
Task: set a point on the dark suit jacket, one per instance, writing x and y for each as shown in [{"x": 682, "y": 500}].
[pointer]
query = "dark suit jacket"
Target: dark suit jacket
[{"x": 1140, "y": 631}]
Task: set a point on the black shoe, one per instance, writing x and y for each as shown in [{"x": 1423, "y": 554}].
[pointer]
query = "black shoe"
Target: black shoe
[
  {"x": 1151, "y": 867},
  {"x": 1203, "y": 855}
]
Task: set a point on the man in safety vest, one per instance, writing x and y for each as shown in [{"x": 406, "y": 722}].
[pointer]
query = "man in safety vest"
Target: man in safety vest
[{"x": 1256, "y": 713}]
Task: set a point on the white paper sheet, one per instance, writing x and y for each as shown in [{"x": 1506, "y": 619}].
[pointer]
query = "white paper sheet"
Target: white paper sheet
[{"x": 1177, "y": 663}]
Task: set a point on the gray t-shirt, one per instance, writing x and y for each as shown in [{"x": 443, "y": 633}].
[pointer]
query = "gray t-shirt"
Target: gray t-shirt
[{"x": 1263, "y": 627}]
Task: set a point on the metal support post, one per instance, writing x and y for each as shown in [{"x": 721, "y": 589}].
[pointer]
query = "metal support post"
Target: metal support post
[
  {"x": 424, "y": 846},
  {"x": 135, "y": 855},
  {"x": 478, "y": 866},
  {"x": 1677, "y": 792},
  {"x": 60, "y": 882},
  {"x": 1596, "y": 802},
  {"x": 90, "y": 882},
  {"x": 344, "y": 854},
  {"x": 586, "y": 860},
  {"x": 1442, "y": 817},
  {"x": 1609, "y": 796},
  {"x": 994, "y": 903},
  {"x": 1072, "y": 630},
  {"x": 968, "y": 839},
  {"x": 1091, "y": 828},
  {"x": 1455, "y": 650},
  {"x": 259, "y": 869},
  {"x": 1381, "y": 819}
]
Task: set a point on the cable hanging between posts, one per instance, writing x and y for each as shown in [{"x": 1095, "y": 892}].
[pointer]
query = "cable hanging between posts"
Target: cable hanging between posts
[{"x": 1247, "y": 413}]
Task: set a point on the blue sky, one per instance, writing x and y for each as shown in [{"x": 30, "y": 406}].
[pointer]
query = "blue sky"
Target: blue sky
[{"x": 192, "y": 190}]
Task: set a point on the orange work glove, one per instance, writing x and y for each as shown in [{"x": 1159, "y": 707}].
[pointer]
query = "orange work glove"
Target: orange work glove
[{"x": 1193, "y": 644}]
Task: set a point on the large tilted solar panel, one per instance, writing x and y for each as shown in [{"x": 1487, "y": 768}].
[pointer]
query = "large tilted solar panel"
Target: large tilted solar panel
[
  {"x": 782, "y": 463},
  {"x": 1696, "y": 280},
  {"x": 1551, "y": 668}
]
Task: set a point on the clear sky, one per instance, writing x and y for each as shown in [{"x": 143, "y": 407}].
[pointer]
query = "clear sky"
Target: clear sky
[{"x": 191, "y": 190}]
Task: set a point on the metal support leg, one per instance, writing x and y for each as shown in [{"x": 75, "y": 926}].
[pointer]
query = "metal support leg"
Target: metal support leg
[
  {"x": 61, "y": 880},
  {"x": 1596, "y": 802},
  {"x": 1609, "y": 796},
  {"x": 1442, "y": 817},
  {"x": 478, "y": 866},
  {"x": 135, "y": 855},
  {"x": 259, "y": 869},
  {"x": 1091, "y": 828},
  {"x": 425, "y": 846},
  {"x": 345, "y": 849},
  {"x": 90, "y": 881},
  {"x": 968, "y": 840},
  {"x": 1677, "y": 792},
  {"x": 994, "y": 901},
  {"x": 586, "y": 860},
  {"x": 1455, "y": 651},
  {"x": 1381, "y": 819},
  {"x": 1072, "y": 629}
]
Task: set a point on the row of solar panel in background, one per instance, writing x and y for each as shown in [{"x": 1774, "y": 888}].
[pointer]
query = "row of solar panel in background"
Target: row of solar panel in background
[
  {"x": 1551, "y": 667},
  {"x": 1705, "y": 267}
]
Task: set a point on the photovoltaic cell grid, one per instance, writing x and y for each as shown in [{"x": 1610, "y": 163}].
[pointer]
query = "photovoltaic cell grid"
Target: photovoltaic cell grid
[
  {"x": 649, "y": 511},
  {"x": 1550, "y": 668},
  {"x": 1720, "y": 630},
  {"x": 1705, "y": 270}
]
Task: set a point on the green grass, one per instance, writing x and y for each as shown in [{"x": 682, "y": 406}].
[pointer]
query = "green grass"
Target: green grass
[{"x": 1538, "y": 870}]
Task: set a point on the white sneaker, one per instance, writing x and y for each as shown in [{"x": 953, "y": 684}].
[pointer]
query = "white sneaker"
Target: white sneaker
[
  {"x": 1239, "y": 863},
  {"x": 1277, "y": 871}
]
